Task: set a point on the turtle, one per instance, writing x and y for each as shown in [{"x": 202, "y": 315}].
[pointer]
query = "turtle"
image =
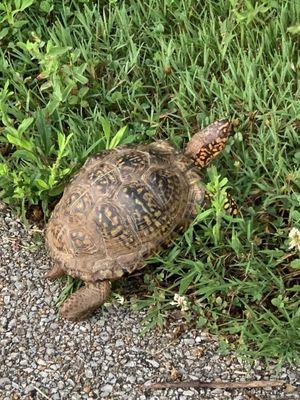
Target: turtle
[{"x": 122, "y": 206}]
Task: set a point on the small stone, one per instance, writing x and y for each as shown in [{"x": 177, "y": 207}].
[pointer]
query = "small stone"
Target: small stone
[
  {"x": 188, "y": 393},
  {"x": 119, "y": 343},
  {"x": 130, "y": 364},
  {"x": 217, "y": 391},
  {"x": 189, "y": 342},
  {"x": 131, "y": 378},
  {"x": 89, "y": 373},
  {"x": 41, "y": 362},
  {"x": 86, "y": 389},
  {"x": 106, "y": 390},
  {"x": 29, "y": 388},
  {"x": 4, "y": 382},
  {"x": 153, "y": 363},
  {"x": 292, "y": 376},
  {"x": 111, "y": 378},
  {"x": 70, "y": 382}
]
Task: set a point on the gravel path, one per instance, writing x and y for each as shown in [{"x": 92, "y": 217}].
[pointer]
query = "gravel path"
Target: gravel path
[{"x": 43, "y": 357}]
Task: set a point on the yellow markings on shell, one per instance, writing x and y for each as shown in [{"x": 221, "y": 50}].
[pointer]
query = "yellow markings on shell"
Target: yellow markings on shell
[
  {"x": 138, "y": 202},
  {"x": 147, "y": 220},
  {"x": 116, "y": 230},
  {"x": 108, "y": 212},
  {"x": 115, "y": 220}
]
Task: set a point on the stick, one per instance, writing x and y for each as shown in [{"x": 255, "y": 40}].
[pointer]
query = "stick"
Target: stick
[
  {"x": 221, "y": 385},
  {"x": 41, "y": 393}
]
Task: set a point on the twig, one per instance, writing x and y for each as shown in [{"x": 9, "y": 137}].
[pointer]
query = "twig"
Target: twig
[
  {"x": 221, "y": 385},
  {"x": 41, "y": 393}
]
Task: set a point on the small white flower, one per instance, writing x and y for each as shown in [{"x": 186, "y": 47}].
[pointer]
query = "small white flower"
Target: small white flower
[
  {"x": 180, "y": 301},
  {"x": 294, "y": 236}
]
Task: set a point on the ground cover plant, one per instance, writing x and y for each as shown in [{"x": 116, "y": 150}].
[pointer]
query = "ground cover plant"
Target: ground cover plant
[{"x": 74, "y": 73}]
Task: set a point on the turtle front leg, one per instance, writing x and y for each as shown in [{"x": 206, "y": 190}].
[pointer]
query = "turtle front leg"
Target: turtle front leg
[{"x": 81, "y": 304}]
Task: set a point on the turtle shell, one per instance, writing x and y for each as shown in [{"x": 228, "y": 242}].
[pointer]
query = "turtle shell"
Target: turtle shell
[{"x": 118, "y": 209}]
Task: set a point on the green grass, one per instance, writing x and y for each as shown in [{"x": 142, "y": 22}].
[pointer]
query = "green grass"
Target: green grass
[{"x": 164, "y": 69}]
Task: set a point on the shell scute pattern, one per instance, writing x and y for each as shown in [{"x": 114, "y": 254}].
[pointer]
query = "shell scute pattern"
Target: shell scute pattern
[
  {"x": 82, "y": 242},
  {"x": 78, "y": 201},
  {"x": 143, "y": 208},
  {"x": 166, "y": 185},
  {"x": 131, "y": 164},
  {"x": 104, "y": 178},
  {"x": 160, "y": 153},
  {"x": 117, "y": 234},
  {"x": 121, "y": 206},
  {"x": 56, "y": 235}
]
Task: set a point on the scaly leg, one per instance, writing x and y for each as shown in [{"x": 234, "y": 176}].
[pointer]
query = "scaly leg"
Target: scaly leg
[{"x": 81, "y": 304}]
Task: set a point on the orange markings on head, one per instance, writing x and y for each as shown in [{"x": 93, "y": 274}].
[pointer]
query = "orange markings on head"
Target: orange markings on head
[
  {"x": 208, "y": 142},
  {"x": 209, "y": 151}
]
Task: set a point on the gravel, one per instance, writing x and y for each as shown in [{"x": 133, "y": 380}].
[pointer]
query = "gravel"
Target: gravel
[{"x": 44, "y": 357}]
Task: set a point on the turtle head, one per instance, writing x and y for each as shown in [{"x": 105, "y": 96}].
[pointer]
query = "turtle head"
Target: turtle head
[{"x": 208, "y": 142}]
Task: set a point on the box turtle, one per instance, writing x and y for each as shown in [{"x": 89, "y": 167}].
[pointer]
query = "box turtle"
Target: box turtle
[{"x": 120, "y": 207}]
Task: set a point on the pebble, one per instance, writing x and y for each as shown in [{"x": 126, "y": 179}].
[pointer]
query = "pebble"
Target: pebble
[
  {"x": 153, "y": 363},
  {"x": 106, "y": 390},
  {"x": 89, "y": 373},
  {"x": 3, "y": 382},
  {"x": 188, "y": 393},
  {"x": 105, "y": 356}
]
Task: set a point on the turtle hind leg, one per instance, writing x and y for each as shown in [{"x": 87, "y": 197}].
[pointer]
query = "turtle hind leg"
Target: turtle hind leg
[
  {"x": 56, "y": 272},
  {"x": 81, "y": 304}
]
